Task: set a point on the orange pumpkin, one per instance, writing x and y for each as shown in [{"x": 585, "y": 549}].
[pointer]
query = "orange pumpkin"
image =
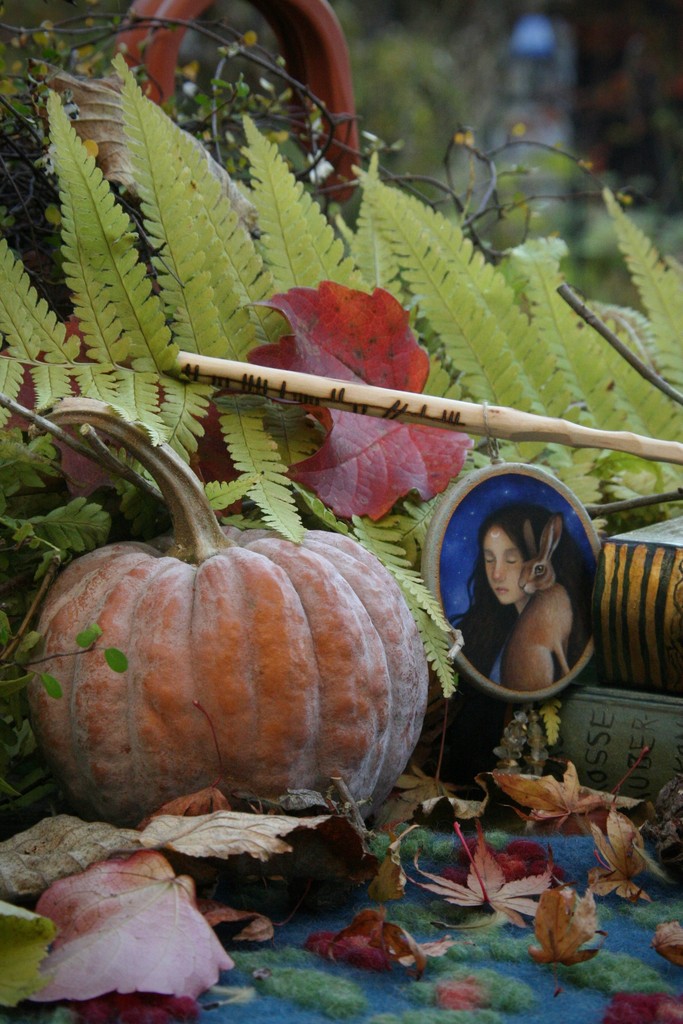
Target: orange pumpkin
[{"x": 304, "y": 657}]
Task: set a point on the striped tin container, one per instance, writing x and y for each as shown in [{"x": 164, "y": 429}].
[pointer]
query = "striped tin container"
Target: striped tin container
[{"x": 638, "y": 609}]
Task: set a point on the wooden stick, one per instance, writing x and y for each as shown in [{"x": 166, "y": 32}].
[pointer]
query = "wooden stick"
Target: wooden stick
[{"x": 495, "y": 421}]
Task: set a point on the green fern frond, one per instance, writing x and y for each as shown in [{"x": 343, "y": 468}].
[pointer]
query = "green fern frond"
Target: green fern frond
[
  {"x": 374, "y": 256},
  {"x": 76, "y": 527},
  {"x": 51, "y": 381},
  {"x": 321, "y": 512},
  {"x": 183, "y": 408},
  {"x": 11, "y": 379},
  {"x": 106, "y": 245},
  {"x": 166, "y": 188},
  {"x": 30, "y": 326},
  {"x": 222, "y": 494},
  {"x": 660, "y": 291},
  {"x": 296, "y": 436},
  {"x": 254, "y": 453},
  {"x": 384, "y": 539},
  {"x": 654, "y": 414},
  {"x": 301, "y": 249},
  {"x": 205, "y": 229},
  {"x": 467, "y": 303}
]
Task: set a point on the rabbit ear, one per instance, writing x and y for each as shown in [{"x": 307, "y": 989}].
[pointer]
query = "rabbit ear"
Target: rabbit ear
[
  {"x": 550, "y": 538},
  {"x": 529, "y": 538}
]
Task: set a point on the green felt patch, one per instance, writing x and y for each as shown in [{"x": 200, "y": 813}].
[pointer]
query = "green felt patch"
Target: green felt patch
[
  {"x": 649, "y": 915},
  {"x": 337, "y": 998},
  {"x": 436, "y": 1016},
  {"x": 289, "y": 956},
  {"x": 614, "y": 972}
]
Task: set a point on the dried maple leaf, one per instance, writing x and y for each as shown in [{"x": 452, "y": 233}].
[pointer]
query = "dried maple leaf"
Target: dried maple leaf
[
  {"x": 564, "y": 923},
  {"x": 556, "y": 800},
  {"x": 365, "y": 464},
  {"x": 372, "y": 942},
  {"x": 125, "y": 926},
  {"x": 418, "y": 793},
  {"x": 622, "y": 855},
  {"x": 486, "y": 886},
  {"x": 668, "y": 941},
  {"x": 390, "y": 881},
  {"x": 258, "y": 927}
]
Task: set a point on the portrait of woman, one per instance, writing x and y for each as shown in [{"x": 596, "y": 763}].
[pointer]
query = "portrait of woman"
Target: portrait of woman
[
  {"x": 512, "y": 557},
  {"x": 529, "y": 615}
]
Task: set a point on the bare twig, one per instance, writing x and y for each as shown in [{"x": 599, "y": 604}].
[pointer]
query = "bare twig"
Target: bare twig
[
  {"x": 97, "y": 453},
  {"x": 572, "y": 299},
  {"x": 594, "y": 511},
  {"x": 7, "y": 653}
]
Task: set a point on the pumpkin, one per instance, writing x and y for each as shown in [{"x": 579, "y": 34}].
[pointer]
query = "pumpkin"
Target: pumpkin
[{"x": 304, "y": 659}]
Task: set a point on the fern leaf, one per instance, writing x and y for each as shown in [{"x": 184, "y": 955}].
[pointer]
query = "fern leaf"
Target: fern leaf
[
  {"x": 222, "y": 495},
  {"x": 11, "y": 379},
  {"x": 302, "y": 247},
  {"x": 322, "y": 513},
  {"x": 183, "y": 408},
  {"x": 292, "y": 429},
  {"x": 467, "y": 303},
  {"x": 550, "y": 713},
  {"x": 31, "y": 328},
  {"x": 76, "y": 527},
  {"x": 106, "y": 242},
  {"x": 373, "y": 254},
  {"x": 51, "y": 381},
  {"x": 660, "y": 290},
  {"x": 383, "y": 539},
  {"x": 254, "y": 453}
]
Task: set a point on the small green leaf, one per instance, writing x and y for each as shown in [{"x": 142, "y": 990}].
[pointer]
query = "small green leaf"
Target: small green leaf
[
  {"x": 116, "y": 659},
  {"x": 89, "y": 635},
  {"x": 52, "y": 686}
]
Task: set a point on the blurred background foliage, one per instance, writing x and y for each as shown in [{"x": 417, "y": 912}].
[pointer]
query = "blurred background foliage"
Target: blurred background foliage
[{"x": 485, "y": 98}]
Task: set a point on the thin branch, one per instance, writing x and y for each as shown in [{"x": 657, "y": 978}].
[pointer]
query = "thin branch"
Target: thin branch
[
  {"x": 572, "y": 299},
  {"x": 8, "y": 651},
  {"x": 594, "y": 511},
  {"x": 97, "y": 453}
]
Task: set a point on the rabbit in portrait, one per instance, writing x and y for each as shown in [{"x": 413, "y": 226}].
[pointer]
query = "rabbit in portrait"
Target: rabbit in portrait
[{"x": 540, "y": 637}]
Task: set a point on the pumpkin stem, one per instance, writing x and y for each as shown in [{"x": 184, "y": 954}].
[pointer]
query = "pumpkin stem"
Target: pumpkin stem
[{"x": 197, "y": 533}]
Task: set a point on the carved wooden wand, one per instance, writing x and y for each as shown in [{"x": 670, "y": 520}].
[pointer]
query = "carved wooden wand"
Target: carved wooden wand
[{"x": 495, "y": 421}]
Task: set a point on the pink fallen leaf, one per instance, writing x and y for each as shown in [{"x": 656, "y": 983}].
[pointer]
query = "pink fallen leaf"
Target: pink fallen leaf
[
  {"x": 364, "y": 465},
  {"x": 128, "y": 926},
  {"x": 486, "y": 885}
]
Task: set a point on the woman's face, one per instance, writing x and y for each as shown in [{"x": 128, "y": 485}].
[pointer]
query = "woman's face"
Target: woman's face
[{"x": 503, "y": 563}]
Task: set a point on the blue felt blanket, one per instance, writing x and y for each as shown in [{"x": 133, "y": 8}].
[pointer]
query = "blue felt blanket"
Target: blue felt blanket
[{"x": 628, "y": 982}]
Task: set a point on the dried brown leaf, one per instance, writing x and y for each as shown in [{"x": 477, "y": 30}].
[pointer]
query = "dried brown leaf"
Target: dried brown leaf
[
  {"x": 390, "y": 881},
  {"x": 564, "y": 923},
  {"x": 552, "y": 799},
  {"x": 418, "y": 794},
  {"x": 258, "y": 928},
  {"x": 225, "y": 833},
  {"x": 668, "y": 942},
  {"x": 100, "y": 120},
  {"x": 56, "y": 848},
  {"x": 621, "y": 853}
]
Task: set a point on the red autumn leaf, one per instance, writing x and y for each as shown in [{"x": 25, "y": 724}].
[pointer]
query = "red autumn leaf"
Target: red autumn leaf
[
  {"x": 125, "y": 926},
  {"x": 364, "y": 465},
  {"x": 373, "y": 943}
]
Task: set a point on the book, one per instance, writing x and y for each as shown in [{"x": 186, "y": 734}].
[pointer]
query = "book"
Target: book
[
  {"x": 638, "y": 609},
  {"x": 604, "y": 731}
]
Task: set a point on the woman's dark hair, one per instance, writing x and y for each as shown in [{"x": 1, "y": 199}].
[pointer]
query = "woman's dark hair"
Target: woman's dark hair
[{"x": 486, "y": 624}]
